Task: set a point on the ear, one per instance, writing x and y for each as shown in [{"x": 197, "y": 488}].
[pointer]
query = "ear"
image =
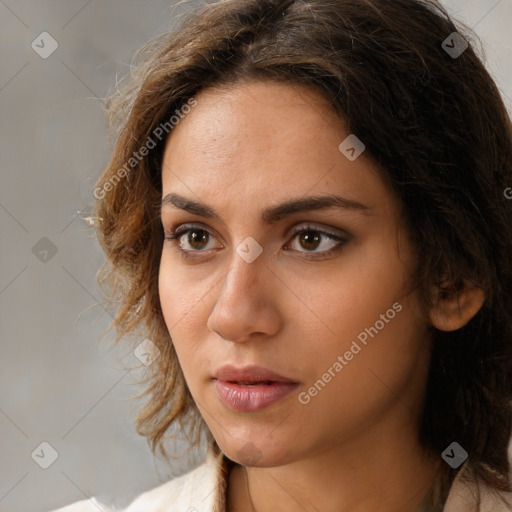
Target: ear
[{"x": 455, "y": 305}]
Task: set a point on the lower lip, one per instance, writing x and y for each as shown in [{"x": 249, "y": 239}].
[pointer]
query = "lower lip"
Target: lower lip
[{"x": 252, "y": 398}]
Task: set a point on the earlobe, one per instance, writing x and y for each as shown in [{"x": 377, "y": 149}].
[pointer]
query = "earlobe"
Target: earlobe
[{"x": 454, "y": 310}]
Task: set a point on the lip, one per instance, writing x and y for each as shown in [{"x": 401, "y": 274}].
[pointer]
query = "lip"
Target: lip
[
  {"x": 250, "y": 398},
  {"x": 250, "y": 373}
]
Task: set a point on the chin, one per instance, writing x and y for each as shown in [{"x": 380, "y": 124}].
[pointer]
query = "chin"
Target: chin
[{"x": 257, "y": 451}]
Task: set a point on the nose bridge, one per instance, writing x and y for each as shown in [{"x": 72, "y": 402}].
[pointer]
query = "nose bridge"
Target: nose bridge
[
  {"x": 244, "y": 304},
  {"x": 242, "y": 278}
]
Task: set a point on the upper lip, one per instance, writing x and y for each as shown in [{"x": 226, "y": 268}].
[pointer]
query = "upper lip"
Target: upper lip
[{"x": 253, "y": 373}]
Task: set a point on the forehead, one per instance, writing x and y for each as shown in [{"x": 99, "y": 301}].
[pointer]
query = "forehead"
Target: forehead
[
  {"x": 267, "y": 141},
  {"x": 254, "y": 116}
]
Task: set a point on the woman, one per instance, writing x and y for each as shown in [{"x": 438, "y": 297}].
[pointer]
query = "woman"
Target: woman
[{"x": 306, "y": 213}]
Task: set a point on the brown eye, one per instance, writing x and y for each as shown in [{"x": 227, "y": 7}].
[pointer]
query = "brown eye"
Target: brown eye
[
  {"x": 192, "y": 239},
  {"x": 309, "y": 240},
  {"x": 315, "y": 241},
  {"x": 197, "y": 238}
]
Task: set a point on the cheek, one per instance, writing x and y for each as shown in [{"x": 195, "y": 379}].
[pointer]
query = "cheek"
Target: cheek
[
  {"x": 167, "y": 287},
  {"x": 350, "y": 297},
  {"x": 174, "y": 306},
  {"x": 362, "y": 311},
  {"x": 379, "y": 361},
  {"x": 184, "y": 303},
  {"x": 180, "y": 292}
]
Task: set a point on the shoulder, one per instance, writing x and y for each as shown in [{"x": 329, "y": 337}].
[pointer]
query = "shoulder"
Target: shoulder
[
  {"x": 199, "y": 490},
  {"x": 196, "y": 491},
  {"x": 466, "y": 493}
]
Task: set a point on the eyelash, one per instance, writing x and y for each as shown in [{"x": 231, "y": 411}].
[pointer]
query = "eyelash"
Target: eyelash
[{"x": 175, "y": 236}]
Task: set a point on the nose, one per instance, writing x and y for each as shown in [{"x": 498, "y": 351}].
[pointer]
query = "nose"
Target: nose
[{"x": 246, "y": 303}]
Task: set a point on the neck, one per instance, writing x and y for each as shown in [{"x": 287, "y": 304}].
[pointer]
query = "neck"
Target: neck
[{"x": 373, "y": 472}]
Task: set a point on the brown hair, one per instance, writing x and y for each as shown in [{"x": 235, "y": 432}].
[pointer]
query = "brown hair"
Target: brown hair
[{"x": 435, "y": 123}]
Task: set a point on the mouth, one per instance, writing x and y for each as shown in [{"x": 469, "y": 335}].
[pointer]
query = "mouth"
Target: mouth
[{"x": 252, "y": 388}]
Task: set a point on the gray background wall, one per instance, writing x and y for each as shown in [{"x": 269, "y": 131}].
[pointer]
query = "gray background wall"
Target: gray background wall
[{"x": 58, "y": 383}]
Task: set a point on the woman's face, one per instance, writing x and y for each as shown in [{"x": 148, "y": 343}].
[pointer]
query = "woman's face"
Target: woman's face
[{"x": 315, "y": 292}]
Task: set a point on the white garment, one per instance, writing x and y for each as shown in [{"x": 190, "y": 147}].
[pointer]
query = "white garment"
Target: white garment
[
  {"x": 203, "y": 490},
  {"x": 196, "y": 491}
]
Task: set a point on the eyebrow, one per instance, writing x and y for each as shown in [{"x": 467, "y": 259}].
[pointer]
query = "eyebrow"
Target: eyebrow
[{"x": 272, "y": 214}]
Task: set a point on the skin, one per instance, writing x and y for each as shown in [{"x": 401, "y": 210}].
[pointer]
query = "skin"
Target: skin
[{"x": 354, "y": 446}]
